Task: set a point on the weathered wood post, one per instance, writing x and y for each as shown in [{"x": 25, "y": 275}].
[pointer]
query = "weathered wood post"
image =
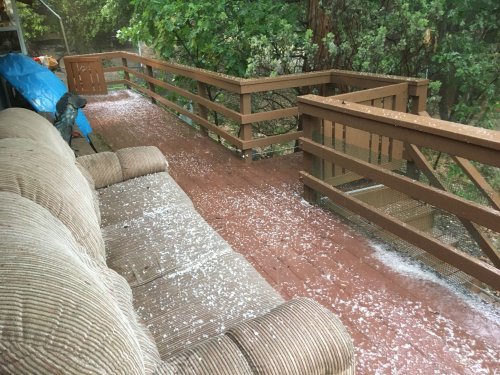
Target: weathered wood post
[
  {"x": 246, "y": 129},
  {"x": 202, "y": 110},
  {"x": 311, "y": 126},
  {"x": 151, "y": 86},
  {"x": 126, "y": 74},
  {"x": 418, "y": 94}
]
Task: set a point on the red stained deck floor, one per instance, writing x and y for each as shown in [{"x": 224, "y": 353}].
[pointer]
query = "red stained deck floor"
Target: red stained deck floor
[{"x": 400, "y": 324}]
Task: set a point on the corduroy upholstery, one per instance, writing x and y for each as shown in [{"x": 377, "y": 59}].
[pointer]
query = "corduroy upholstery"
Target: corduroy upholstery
[
  {"x": 140, "y": 161},
  {"x": 33, "y": 171},
  {"x": 219, "y": 355},
  {"x": 316, "y": 341},
  {"x": 154, "y": 290},
  {"x": 104, "y": 168},
  {"x": 56, "y": 316},
  {"x": 109, "y": 168},
  {"x": 20, "y": 123}
]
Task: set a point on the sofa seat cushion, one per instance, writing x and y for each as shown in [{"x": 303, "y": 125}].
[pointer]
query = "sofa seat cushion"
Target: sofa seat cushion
[
  {"x": 201, "y": 301},
  {"x": 165, "y": 240},
  {"x": 134, "y": 198},
  {"x": 57, "y": 315},
  {"x": 35, "y": 172},
  {"x": 188, "y": 284}
]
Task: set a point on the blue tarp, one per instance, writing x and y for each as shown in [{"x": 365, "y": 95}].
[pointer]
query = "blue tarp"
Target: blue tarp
[{"x": 39, "y": 86}]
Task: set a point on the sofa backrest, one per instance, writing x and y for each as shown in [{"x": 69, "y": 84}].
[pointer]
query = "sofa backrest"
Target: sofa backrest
[
  {"x": 64, "y": 311},
  {"x": 22, "y": 123},
  {"x": 35, "y": 172},
  {"x": 56, "y": 313}
]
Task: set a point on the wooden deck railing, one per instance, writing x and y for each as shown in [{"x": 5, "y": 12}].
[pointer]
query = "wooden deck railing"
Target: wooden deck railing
[
  {"x": 145, "y": 75},
  {"x": 463, "y": 143},
  {"x": 373, "y": 129}
]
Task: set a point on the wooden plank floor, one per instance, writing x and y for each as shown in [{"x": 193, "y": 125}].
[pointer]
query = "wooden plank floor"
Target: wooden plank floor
[{"x": 401, "y": 323}]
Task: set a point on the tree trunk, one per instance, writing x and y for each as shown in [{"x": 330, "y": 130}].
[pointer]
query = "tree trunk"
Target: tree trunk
[{"x": 320, "y": 22}]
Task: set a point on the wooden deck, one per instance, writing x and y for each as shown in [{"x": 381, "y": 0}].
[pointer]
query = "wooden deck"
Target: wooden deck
[{"x": 401, "y": 322}]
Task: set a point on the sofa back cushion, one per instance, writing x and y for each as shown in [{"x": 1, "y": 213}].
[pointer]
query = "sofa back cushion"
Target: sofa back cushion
[
  {"x": 23, "y": 123},
  {"x": 57, "y": 315},
  {"x": 29, "y": 169}
]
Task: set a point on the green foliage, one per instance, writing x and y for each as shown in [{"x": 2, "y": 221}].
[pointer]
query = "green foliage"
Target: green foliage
[
  {"x": 217, "y": 35},
  {"x": 452, "y": 42},
  {"x": 467, "y": 59},
  {"x": 87, "y": 22},
  {"x": 34, "y": 24}
]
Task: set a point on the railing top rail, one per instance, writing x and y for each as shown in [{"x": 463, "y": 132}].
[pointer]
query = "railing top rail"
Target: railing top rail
[
  {"x": 463, "y": 133},
  {"x": 371, "y": 94},
  {"x": 250, "y": 85},
  {"x": 382, "y": 78}
]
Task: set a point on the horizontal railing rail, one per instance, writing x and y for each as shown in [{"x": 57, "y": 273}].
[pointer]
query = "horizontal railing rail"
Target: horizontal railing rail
[
  {"x": 143, "y": 74},
  {"x": 461, "y": 142}
]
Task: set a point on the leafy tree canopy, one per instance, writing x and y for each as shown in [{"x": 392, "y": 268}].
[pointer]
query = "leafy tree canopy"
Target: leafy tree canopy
[
  {"x": 216, "y": 35},
  {"x": 453, "y": 42},
  {"x": 86, "y": 21}
]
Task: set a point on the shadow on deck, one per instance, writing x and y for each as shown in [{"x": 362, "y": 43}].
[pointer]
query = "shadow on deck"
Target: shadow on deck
[{"x": 401, "y": 322}]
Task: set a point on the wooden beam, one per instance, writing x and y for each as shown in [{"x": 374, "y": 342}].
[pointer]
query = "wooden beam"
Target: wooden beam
[
  {"x": 233, "y": 115},
  {"x": 455, "y": 139},
  {"x": 211, "y": 78},
  {"x": 375, "y": 93},
  {"x": 272, "y": 139},
  {"x": 476, "y": 233},
  {"x": 463, "y": 208},
  {"x": 253, "y": 85},
  {"x": 269, "y": 115},
  {"x": 474, "y": 267},
  {"x": 151, "y": 85},
  {"x": 126, "y": 73},
  {"x": 235, "y": 141},
  {"x": 202, "y": 110},
  {"x": 111, "y": 69},
  {"x": 245, "y": 132},
  {"x": 479, "y": 181}
]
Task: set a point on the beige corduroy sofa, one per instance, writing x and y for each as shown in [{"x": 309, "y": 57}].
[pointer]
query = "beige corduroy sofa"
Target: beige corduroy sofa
[{"x": 129, "y": 278}]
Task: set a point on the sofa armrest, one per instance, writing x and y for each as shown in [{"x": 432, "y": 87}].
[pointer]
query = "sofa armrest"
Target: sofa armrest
[
  {"x": 297, "y": 337},
  {"x": 219, "y": 355},
  {"x": 108, "y": 168}
]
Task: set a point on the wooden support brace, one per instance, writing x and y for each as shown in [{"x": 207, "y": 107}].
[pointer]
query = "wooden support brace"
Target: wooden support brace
[
  {"x": 474, "y": 267},
  {"x": 475, "y": 231},
  {"x": 479, "y": 181}
]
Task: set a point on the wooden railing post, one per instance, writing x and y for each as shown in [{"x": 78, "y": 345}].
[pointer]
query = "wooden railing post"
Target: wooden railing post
[
  {"x": 202, "y": 110},
  {"x": 327, "y": 89},
  {"x": 311, "y": 126},
  {"x": 151, "y": 85},
  {"x": 126, "y": 74},
  {"x": 418, "y": 104},
  {"x": 419, "y": 100},
  {"x": 246, "y": 129}
]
